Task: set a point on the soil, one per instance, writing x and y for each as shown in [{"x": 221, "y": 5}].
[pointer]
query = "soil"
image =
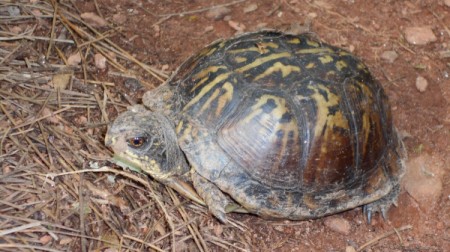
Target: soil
[{"x": 164, "y": 33}]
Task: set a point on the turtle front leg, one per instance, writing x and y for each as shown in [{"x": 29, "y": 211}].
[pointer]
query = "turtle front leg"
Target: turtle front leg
[{"x": 218, "y": 203}]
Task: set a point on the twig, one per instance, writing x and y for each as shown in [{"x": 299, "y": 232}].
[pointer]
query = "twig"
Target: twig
[
  {"x": 20, "y": 228},
  {"x": 201, "y": 245},
  {"x": 376, "y": 239},
  {"x": 41, "y": 118},
  {"x": 143, "y": 182},
  {"x": 30, "y": 247},
  {"x": 52, "y": 32}
]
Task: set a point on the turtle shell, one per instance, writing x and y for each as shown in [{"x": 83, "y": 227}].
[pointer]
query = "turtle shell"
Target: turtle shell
[{"x": 286, "y": 125}]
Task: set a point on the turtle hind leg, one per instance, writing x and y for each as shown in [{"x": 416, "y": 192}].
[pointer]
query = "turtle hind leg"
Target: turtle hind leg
[
  {"x": 218, "y": 203},
  {"x": 382, "y": 205}
]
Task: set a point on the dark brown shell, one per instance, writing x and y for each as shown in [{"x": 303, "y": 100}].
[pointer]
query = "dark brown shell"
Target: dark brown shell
[{"x": 288, "y": 126}]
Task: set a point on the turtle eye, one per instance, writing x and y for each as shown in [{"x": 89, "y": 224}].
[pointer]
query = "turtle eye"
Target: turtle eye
[{"x": 136, "y": 142}]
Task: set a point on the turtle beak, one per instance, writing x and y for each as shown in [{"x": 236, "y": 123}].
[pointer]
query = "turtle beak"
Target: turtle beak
[
  {"x": 185, "y": 189},
  {"x": 108, "y": 141}
]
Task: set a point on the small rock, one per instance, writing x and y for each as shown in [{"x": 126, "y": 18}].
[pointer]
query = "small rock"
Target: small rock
[
  {"x": 93, "y": 19},
  {"x": 312, "y": 15},
  {"x": 209, "y": 28},
  {"x": 389, "y": 56},
  {"x": 16, "y": 29},
  {"x": 421, "y": 84},
  {"x": 447, "y": 3},
  {"x": 68, "y": 129},
  {"x": 323, "y": 4},
  {"x": 45, "y": 239},
  {"x": 6, "y": 169},
  {"x": 261, "y": 25},
  {"x": 423, "y": 181},
  {"x": 240, "y": 27},
  {"x": 250, "y": 8},
  {"x": 419, "y": 35},
  {"x": 218, "y": 230},
  {"x": 74, "y": 59},
  {"x": 119, "y": 18},
  {"x": 100, "y": 61},
  {"x": 49, "y": 116},
  {"x": 13, "y": 10},
  {"x": 279, "y": 228},
  {"x": 218, "y": 13},
  {"x": 351, "y": 48},
  {"x": 157, "y": 30},
  {"x": 165, "y": 67},
  {"x": 132, "y": 84},
  {"x": 81, "y": 120},
  {"x": 36, "y": 12},
  {"x": 440, "y": 225},
  {"x": 350, "y": 249},
  {"x": 112, "y": 56},
  {"x": 338, "y": 224}
]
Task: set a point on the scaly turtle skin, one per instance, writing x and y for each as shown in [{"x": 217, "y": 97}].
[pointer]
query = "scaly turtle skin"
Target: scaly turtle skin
[{"x": 278, "y": 125}]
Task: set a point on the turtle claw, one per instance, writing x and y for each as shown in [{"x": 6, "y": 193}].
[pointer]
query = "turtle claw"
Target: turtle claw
[
  {"x": 382, "y": 205},
  {"x": 220, "y": 215}
]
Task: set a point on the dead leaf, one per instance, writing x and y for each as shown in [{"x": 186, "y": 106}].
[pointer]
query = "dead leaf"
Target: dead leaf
[
  {"x": 61, "y": 80},
  {"x": 93, "y": 19},
  {"x": 65, "y": 240},
  {"x": 160, "y": 229}
]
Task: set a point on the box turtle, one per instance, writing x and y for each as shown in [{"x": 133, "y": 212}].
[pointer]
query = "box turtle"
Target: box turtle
[{"x": 273, "y": 124}]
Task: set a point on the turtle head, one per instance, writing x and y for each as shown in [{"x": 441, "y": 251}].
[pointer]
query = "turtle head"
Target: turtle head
[{"x": 143, "y": 140}]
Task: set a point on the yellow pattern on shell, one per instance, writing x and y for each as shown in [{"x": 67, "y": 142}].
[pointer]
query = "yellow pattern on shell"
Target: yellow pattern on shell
[
  {"x": 323, "y": 112},
  {"x": 208, "y": 102},
  {"x": 326, "y": 59},
  {"x": 206, "y": 89},
  {"x": 311, "y": 65},
  {"x": 184, "y": 130},
  {"x": 256, "y": 48},
  {"x": 261, "y": 60},
  {"x": 312, "y": 43},
  {"x": 278, "y": 66},
  {"x": 204, "y": 75},
  {"x": 206, "y": 71},
  {"x": 225, "y": 98},
  {"x": 294, "y": 41},
  {"x": 320, "y": 50},
  {"x": 179, "y": 127},
  {"x": 257, "y": 108},
  {"x": 281, "y": 107},
  {"x": 239, "y": 59},
  {"x": 340, "y": 64},
  {"x": 366, "y": 117}
]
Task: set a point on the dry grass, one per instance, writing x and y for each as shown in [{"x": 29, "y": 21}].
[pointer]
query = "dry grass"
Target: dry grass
[{"x": 57, "y": 189}]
